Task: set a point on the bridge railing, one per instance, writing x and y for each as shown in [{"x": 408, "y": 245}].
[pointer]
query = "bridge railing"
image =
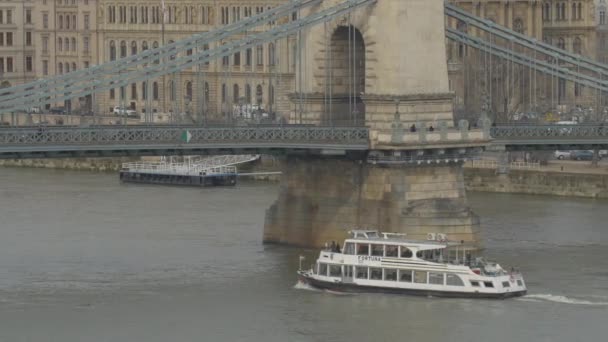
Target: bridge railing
[
  {"x": 181, "y": 135},
  {"x": 552, "y": 131}
]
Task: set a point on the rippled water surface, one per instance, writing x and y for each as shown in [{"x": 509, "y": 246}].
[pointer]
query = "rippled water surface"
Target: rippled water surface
[{"x": 85, "y": 258}]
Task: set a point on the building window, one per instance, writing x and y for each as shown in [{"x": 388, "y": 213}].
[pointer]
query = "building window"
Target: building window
[
  {"x": 74, "y": 67},
  {"x": 59, "y": 44},
  {"x": 144, "y": 90},
  {"x": 29, "y": 65},
  {"x": 73, "y": 44},
  {"x": 45, "y": 21},
  {"x": 133, "y": 48},
  {"x": 237, "y": 59},
  {"x": 60, "y": 68},
  {"x": 112, "y": 50},
  {"x": 86, "y": 64},
  {"x": 580, "y": 11},
  {"x": 67, "y": 22},
  {"x": 45, "y": 68},
  {"x": 66, "y": 44},
  {"x": 155, "y": 91},
  {"x": 235, "y": 93},
  {"x": 9, "y": 38},
  {"x": 577, "y": 46},
  {"x": 248, "y": 93},
  {"x": 67, "y": 67},
  {"x": 28, "y": 16},
  {"x": 259, "y": 55},
  {"x": 189, "y": 91},
  {"x": 248, "y": 57},
  {"x": 28, "y": 38},
  {"x": 112, "y": 94},
  {"x": 172, "y": 94},
  {"x": 85, "y": 43},
  {"x": 9, "y": 17},
  {"x": 45, "y": 44},
  {"x": 518, "y": 26},
  {"x": 602, "y": 17},
  {"x": 123, "y": 49},
  {"x": 133, "y": 91},
  {"x": 259, "y": 96},
  {"x": 271, "y": 54},
  {"x": 87, "y": 22},
  {"x": 561, "y": 43},
  {"x": 1, "y": 39}
]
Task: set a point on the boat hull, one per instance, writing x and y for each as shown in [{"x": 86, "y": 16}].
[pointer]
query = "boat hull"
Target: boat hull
[
  {"x": 356, "y": 288},
  {"x": 186, "y": 180}
]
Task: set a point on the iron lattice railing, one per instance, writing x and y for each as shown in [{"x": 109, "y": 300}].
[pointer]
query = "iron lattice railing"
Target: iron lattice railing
[
  {"x": 181, "y": 135},
  {"x": 567, "y": 133}
]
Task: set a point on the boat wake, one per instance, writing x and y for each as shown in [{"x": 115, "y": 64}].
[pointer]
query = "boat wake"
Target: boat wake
[
  {"x": 303, "y": 286},
  {"x": 545, "y": 297}
]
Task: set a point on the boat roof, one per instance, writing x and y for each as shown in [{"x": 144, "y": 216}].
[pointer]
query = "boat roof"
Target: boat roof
[{"x": 359, "y": 235}]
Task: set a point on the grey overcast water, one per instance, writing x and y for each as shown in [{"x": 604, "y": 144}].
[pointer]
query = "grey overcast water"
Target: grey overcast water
[{"x": 85, "y": 258}]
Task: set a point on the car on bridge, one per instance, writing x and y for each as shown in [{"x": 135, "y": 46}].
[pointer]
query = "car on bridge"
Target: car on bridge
[
  {"x": 124, "y": 111},
  {"x": 561, "y": 155},
  {"x": 582, "y": 155}
]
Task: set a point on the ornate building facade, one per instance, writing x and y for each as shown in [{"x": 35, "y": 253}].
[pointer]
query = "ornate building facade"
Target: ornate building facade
[
  {"x": 260, "y": 77},
  {"x": 482, "y": 82},
  {"x": 16, "y": 42}
]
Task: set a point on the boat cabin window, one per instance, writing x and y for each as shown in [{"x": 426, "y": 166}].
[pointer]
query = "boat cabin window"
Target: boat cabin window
[
  {"x": 405, "y": 276},
  {"x": 405, "y": 252},
  {"x": 390, "y": 274},
  {"x": 349, "y": 248},
  {"x": 453, "y": 280},
  {"x": 322, "y": 269},
  {"x": 474, "y": 283},
  {"x": 361, "y": 272},
  {"x": 520, "y": 283},
  {"x": 378, "y": 250},
  {"x": 335, "y": 270},
  {"x": 435, "y": 278},
  {"x": 375, "y": 273},
  {"x": 506, "y": 284},
  {"x": 391, "y": 251},
  {"x": 362, "y": 249},
  {"x": 488, "y": 284},
  {"x": 420, "y": 277},
  {"x": 348, "y": 271}
]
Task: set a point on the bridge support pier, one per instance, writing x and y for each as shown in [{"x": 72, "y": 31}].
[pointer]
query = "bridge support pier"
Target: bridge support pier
[{"x": 320, "y": 199}]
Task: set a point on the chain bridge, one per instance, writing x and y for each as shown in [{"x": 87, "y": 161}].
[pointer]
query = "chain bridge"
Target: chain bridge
[{"x": 368, "y": 133}]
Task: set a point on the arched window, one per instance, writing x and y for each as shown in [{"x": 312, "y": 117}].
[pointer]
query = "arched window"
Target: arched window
[
  {"x": 573, "y": 11},
  {"x": 563, "y": 11},
  {"x": 248, "y": 93},
  {"x": 133, "y": 91},
  {"x": 73, "y": 66},
  {"x": 224, "y": 91},
  {"x": 155, "y": 46},
  {"x": 518, "y": 25},
  {"x": 144, "y": 90},
  {"x": 271, "y": 54},
  {"x": 60, "y": 68},
  {"x": 580, "y": 11},
  {"x": 60, "y": 22},
  {"x": 67, "y": 67},
  {"x": 60, "y": 44},
  {"x": 123, "y": 49},
  {"x": 173, "y": 48},
  {"x": 189, "y": 90},
  {"x": 235, "y": 93},
  {"x": 259, "y": 94},
  {"x": 74, "y": 21},
  {"x": 73, "y": 44},
  {"x": 561, "y": 43},
  {"x": 133, "y": 47},
  {"x": 144, "y": 46},
  {"x": 155, "y": 90},
  {"x": 112, "y": 50},
  {"x": 66, "y": 43},
  {"x": 67, "y": 22},
  {"x": 577, "y": 46}
]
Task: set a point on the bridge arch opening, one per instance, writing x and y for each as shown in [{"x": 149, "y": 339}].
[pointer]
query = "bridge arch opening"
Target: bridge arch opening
[{"x": 345, "y": 77}]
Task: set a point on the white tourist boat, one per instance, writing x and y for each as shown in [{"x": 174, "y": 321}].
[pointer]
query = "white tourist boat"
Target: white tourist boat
[{"x": 387, "y": 262}]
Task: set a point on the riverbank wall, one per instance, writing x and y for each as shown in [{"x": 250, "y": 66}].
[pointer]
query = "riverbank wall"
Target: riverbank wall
[
  {"x": 569, "y": 181},
  {"x": 538, "y": 182}
]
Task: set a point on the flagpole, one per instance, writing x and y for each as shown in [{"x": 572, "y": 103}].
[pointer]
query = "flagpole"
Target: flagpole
[{"x": 162, "y": 42}]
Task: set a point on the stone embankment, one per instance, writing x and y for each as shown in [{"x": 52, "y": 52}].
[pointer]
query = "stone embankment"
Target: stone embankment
[
  {"x": 577, "y": 179},
  {"x": 564, "y": 178}
]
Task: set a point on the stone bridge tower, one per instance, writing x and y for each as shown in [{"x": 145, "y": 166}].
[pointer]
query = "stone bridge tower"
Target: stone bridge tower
[{"x": 382, "y": 66}]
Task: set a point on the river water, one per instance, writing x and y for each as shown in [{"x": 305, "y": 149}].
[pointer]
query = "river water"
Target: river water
[{"x": 85, "y": 258}]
